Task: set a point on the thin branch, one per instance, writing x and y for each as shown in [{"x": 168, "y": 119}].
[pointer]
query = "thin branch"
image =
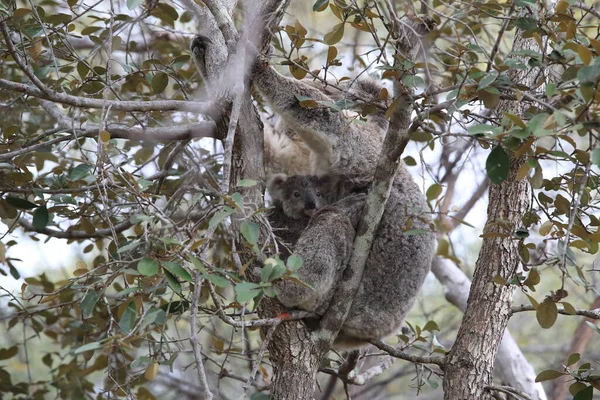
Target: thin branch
[
  {"x": 77, "y": 235},
  {"x": 160, "y": 134},
  {"x": 194, "y": 339},
  {"x": 437, "y": 360},
  {"x": 206, "y": 108},
  {"x": 585, "y": 7},
  {"x": 466, "y": 208},
  {"x": 594, "y": 314},
  {"x": 510, "y": 391}
]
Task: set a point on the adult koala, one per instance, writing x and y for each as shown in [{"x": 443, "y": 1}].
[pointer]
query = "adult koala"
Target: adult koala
[{"x": 347, "y": 154}]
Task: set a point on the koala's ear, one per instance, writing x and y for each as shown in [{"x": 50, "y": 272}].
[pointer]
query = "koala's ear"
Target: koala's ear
[{"x": 275, "y": 185}]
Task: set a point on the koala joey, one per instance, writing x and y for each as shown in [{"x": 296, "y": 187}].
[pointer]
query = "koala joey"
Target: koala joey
[
  {"x": 347, "y": 153},
  {"x": 295, "y": 200}
]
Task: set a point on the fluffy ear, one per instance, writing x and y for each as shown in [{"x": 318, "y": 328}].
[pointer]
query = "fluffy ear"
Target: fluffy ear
[{"x": 275, "y": 186}]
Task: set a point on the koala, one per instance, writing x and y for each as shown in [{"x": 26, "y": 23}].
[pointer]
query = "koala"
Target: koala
[
  {"x": 295, "y": 201},
  {"x": 398, "y": 263},
  {"x": 347, "y": 153}
]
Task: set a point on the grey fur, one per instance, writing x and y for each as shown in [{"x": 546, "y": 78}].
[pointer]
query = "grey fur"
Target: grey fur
[
  {"x": 295, "y": 199},
  {"x": 347, "y": 153}
]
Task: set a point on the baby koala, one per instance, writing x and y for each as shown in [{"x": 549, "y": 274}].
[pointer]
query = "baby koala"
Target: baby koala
[{"x": 295, "y": 199}]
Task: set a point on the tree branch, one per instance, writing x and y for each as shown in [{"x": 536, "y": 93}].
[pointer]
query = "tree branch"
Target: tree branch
[
  {"x": 206, "y": 393},
  {"x": 437, "y": 360},
  {"x": 77, "y": 235},
  {"x": 205, "y": 108},
  {"x": 394, "y": 143},
  {"x": 159, "y": 134},
  {"x": 594, "y": 314}
]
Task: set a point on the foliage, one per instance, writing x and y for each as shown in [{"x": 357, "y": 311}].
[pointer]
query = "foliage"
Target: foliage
[{"x": 147, "y": 206}]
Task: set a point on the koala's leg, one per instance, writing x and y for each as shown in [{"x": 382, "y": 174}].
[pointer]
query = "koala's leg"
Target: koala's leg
[
  {"x": 319, "y": 127},
  {"x": 325, "y": 246}
]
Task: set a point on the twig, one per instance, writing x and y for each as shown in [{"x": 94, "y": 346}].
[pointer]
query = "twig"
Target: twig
[
  {"x": 511, "y": 391},
  {"x": 194, "y": 338},
  {"x": 437, "y": 360}
]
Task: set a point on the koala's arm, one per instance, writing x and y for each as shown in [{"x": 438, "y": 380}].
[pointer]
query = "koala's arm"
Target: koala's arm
[
  {"x": 317, "y": 126},
  {"x": 325, "y": 246}
]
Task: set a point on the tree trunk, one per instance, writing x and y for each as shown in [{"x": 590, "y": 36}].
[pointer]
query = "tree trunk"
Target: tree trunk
[
  {"x": 470, "y": 362},
  {"x": 295, "y": 362}
]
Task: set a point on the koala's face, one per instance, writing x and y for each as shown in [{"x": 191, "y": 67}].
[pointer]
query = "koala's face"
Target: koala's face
[{"x": 299, "y": 195}]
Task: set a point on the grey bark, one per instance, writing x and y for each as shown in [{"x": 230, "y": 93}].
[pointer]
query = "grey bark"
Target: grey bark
[
  {"x": 511, "y": 364},
  {"x": 470, "y": 363}
]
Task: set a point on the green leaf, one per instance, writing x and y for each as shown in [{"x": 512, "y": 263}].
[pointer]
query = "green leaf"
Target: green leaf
[
  {"x": 80, "y": 171},
  {"x": 576, "y": 388},
  {"x": 596, "y": 156},
  {"x": 131, "y": 4},
  {"x": 160, "y": 82},
  {"x": 41, "y": 218},
  {"x": 197, "y": 263},
  {"x": 173, "y": 282},
  {"x": 294, "y": 262},
  {"x": 6, "y": 354},
  {"x": 20, "y": 203},
  {"x": 546, "y": 314},
  {"x": 526, "y": 24},
  {"x": 573, "y": 358},
  {"x": 434, "y": 192},
  {"x": 147, "y": 266},
  {"x": 272, "y": 270},
  {"x": 88, "y": 347},
  {"x": 481, "y": 128},
  {"x": 246, "y": 291},
  {"x": 589, "y": 74},
  {"x": 153, "y": 316},
  {"x": 497, "y": 165},
  {"x": 487, "y": 79},
  {"x": 585, "y": 394},
  {"x": 128, "y": 318},
  {"x": 216, "y": 280},
  {"x": 414, "y": 81},
  {"x": 247, "y": 183},
  {"x": 250, "y": 231},
  {"x": 220, "y": 216},
  {"x": 88, "y": 302},
  {"x": 548, "y": 375},
  {"x": 320, "y": 5},
  {"x": 177, "y": 270},
  {"x": 335, "y": 35},
  {"x": 82, "y": 69},
  {"x": 431, "y": 326}
]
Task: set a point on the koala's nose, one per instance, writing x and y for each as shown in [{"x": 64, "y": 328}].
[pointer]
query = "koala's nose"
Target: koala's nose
[{"x": 310, "y": 204}]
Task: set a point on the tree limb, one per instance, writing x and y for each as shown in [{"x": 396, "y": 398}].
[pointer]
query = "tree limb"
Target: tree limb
[
  {"x": 437, "y": 360},
  {"x": 76, "y": 235},
  {"x": 593, "y": 314},
  {"x": 117, "y": 105}
]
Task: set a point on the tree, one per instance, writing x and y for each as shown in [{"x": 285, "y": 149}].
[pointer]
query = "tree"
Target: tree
[{"x": 112, "y": 140}]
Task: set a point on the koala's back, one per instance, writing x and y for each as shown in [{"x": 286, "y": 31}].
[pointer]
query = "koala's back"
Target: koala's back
[{"x": 396, "y": 268}]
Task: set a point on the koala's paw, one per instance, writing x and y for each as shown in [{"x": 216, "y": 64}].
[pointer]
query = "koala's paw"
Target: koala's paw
[
  {"x": 198, "y": 47},
  {"x": 200, "y": 44}
]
